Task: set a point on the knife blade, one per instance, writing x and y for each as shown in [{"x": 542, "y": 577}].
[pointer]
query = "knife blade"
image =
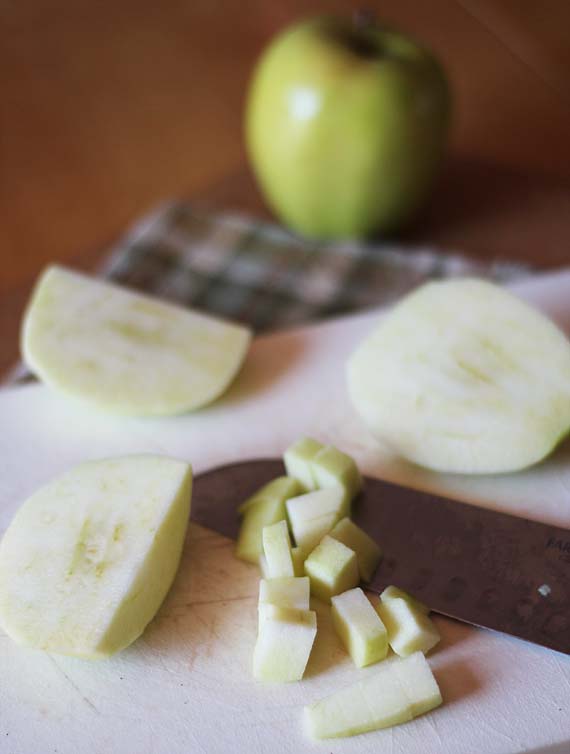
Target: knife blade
[{"x": 480, "y": 566}]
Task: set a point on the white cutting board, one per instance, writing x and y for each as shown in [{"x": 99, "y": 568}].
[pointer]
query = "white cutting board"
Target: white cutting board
[{"x": 186, "y": 685}]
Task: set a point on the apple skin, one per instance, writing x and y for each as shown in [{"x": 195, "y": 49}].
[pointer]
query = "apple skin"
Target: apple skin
[{"x": 346, "y": 127}]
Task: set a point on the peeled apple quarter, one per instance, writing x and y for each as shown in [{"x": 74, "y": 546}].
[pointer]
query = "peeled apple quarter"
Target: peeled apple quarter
[
  {"x": 88, "y": 558},
  {"x": 462, "y": 376},
  {"x": 125, "y": 352}
]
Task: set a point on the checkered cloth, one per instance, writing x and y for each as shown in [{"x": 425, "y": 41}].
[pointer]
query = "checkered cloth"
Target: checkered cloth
[{"x": 263, "y": 276}]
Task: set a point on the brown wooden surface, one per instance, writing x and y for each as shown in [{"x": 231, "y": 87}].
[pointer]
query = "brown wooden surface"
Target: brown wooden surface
[{"x": 108, "y": 107}]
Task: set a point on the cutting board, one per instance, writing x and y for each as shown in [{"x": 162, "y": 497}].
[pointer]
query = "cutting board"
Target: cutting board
[{"x": 186, "y": 685}]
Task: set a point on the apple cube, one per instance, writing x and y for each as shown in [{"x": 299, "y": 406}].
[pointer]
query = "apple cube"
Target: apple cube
[
  {"x": 297, "y": 459},
  {"x": 314, "y": 514},
  {"x": 126, "y": 352},
  {"x": 88, "y": 559},
  {"x": 282, "y": 487},
  {"x": 332, "y": 568},
  {"x": 277, "y": 550},
  {"x": 288, "y": 592},
  {"x": 418, "y": 683},
  {"x": 265, "y": 512},
  {"x": 394, "y": 592},
  {"x": 331, "y": 468},
  {"x": 284, "y": 643},
  {"x": 367, "y": 551},
  {"x": 359, "y": 627},
  {"x": 409, "y": 630},
  {"x": 396, "y": 693}
]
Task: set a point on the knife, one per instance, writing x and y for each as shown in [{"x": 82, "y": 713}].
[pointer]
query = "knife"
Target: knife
[{"x": 476, "y": 565}]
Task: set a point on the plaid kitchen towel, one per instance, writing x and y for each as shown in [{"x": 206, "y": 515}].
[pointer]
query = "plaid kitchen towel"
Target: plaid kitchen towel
[{"x": 261, "y": 275}]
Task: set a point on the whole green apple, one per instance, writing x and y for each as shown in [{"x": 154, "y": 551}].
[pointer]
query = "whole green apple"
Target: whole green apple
[{"x": 345, "y": 127}]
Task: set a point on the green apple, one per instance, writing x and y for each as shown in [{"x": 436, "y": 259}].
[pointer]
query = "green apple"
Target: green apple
[
  {"x": 345, "y": 127},
  {"x": 462, "y": 376},
  {"x": 284, "y": 642},
  {"x": 395, "y": 693},
  {"x": 359, "y": 627},
  {"x": 297, "y": 459},
  {"x": 88, "y": 559},
  {"x": 367, "y": 551},
  {"x": 277, "y": 551},
  {"x": 409, "y": 629},
  {"x": 332, "y": 568},
  {"x": 125, "y": 352}
]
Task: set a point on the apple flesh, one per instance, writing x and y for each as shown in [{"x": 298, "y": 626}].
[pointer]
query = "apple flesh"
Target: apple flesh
[
  {"x": 314, "y": 514},
  {"x": 333, "y": 468},
  {"x": 277, "y": 551},
  {"x": 359, "y": 627},
  {"x": 297, "y": 459},
  {"x": 464, "y": 377},
  {"x": 409, "y": 630},
  {"x": 282, "y": 487},
  {"x": 332, "y": 568},
  {"x": 396, "y": 693},
  {"x": 88, "y": 559},
  {"x": 125, "y": 352},
  {"x": 249, "y": 545},
  {"x": 291, "y": 592},
  {"x": 367, "y": 551},
  {"x": 393, "y": 592},
  {"x": 345, "y": 127},
  {"x": 284, "y": 642}
]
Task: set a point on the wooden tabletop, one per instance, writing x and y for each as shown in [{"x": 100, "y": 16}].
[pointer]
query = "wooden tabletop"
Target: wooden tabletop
[{"x": 108, "y": 108}]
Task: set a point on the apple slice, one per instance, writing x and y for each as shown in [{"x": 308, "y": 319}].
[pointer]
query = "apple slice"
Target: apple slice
[
  {"x": 249, "y": 545},
  {"x": 288, "y": 592},
  {"x": 393, "y": 592},
  {"x": 277, "y": 550},
  {"x": 332, "y": 468},
  {"x": 314, "y": 514},
  {"x": 396, "y": 693},
  {"x": 409, "y": 629},
  {"x": 332, "y": 568},
  {"x": 298, "y": 556},
  {"x": 367, "y": 551},
  {"x": 88, "y": 559},
  {"x": 297, "y": 459},
  {"x": 125, "y": 352},
  {"x": 464, "y": 377},
  {"x": 284, "y": 643},
  {"x": 283, "y": 487},
  {"x": 359, "y": 627}
]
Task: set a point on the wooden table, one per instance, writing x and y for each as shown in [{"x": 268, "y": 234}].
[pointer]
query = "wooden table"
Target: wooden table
[{"x": 110, "y": 107}]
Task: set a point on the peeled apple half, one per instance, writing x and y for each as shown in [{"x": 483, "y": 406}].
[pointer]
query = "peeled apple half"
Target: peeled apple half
[
  {"x": 462, "y": 376},
  {"x": 88, "y": 559},
  {"x": 125, "y": 352}
]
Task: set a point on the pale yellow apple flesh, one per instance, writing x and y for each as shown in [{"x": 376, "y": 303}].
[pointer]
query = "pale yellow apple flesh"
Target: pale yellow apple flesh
[
  {"x": 125, "y": 352},
  {"x": 88, "y": 559},
  {"x": 287, "y": 592},
  {"x": 359, "y": 627},
  {"x": 277, "y": 551},
  {"x": 367, "y": 551},
  {"x": 284, "y": 642},
  {"x": 332, "y": 568},
  {"x": 297, "y": 459},
  {"x": 409, "y": 629},
  {"x": 314, "y": 514}
]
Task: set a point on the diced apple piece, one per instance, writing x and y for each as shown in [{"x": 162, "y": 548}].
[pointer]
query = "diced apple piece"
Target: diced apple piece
[
  {"x": 332, "y": 568},
  {"x": 314, "y": 514},
  {"x": 284, "y": 643},
  {"x": 396, "y": 693},
  {"x": 289, "y": 592},
  {"x": 331, "y": 467},
  {"x": 126, "y": 352},
  {"x": 283, "y": 487},
  {"x": 464, "y": 377},
  {"x": 263, "y": 566},
  {"x": 367, "y": 551},
  {"x": 409, "y": 630},
  {"x": 359, "y": 627},
  {"x": 277, "y": 550},
  {"x": 418, "y": 683},
  {"x": 298, "y": 556},
  {"x": 297, "y": 459},
  {"x": 249, "y": 544},
  {"x": 393, "y": 592},
  {"x": 88, "y": 559},
  {"x": 377, "y": 701}
]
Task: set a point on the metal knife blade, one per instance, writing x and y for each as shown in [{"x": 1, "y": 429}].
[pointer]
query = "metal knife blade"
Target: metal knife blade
[{"x": 476, "y": 565}]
